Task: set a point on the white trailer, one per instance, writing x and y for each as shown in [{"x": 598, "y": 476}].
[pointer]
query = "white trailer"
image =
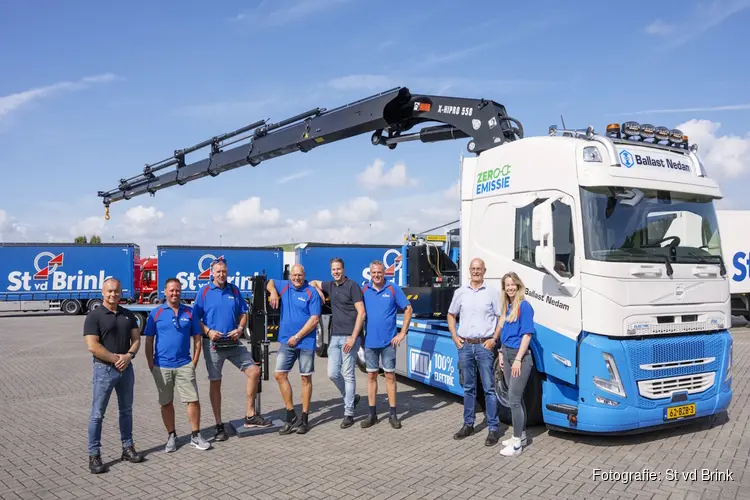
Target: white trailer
[{"x": 734, "y": 227}]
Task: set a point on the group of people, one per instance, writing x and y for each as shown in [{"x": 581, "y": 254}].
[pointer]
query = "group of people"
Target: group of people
[{"x": 176, "y": 334}]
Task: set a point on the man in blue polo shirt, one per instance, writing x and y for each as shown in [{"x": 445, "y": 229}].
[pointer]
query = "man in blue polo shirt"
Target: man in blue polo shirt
[
  {"x": 300, "y": 313},
  {"x": 222, "y": 312},
  {"x": 169, "y": 330},
  {"x": 382, "y": 303}
]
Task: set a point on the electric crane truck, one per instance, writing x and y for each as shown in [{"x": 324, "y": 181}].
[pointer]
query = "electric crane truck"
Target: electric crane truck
[{"x": 631, "y": 307}]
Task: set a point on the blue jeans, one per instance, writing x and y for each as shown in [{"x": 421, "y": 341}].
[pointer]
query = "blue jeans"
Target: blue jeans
[
  {"x": 471, "y": 356},
  {"x": 105, "y": 379},
  {"x": 377, "y": 356},
  {"x": 286, "y": 357},
  {"x": 341, "y": 369}
]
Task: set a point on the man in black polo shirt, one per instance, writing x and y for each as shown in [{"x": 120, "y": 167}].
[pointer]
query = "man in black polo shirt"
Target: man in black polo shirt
[
  {"x": 112, "y": 336},
  {"x": 348, "y": 311}
]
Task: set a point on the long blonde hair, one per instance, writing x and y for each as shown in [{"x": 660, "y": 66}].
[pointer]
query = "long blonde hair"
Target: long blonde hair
[{"x": 516, "y": 306}]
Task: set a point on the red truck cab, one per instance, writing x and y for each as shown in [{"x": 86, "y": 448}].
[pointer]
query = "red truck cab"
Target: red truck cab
[{"x": 149, "y": 281}]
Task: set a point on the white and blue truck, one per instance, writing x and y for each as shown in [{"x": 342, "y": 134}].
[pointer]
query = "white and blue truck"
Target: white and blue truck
[{"x": 632, "y": 309}]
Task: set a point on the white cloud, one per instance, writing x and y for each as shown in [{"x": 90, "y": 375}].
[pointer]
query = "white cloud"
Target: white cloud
[
  {"x": 287, "y": 11},
  {"x": 727, "y": 155},
  {"x": 14, "y": 102},
  {"x": 294, "y": 177},
  {"x": 361, "y": 209},
  {"x": 143, "y": 215},
  {"x": 659, "y": 27},
  {"x": 248, "y": 213},
  {"x": 727, "y": 107},
  {"x": 374, "y": 177},
  {"x": 703, "y": 17},
  {"x": 453, "y": 193}
]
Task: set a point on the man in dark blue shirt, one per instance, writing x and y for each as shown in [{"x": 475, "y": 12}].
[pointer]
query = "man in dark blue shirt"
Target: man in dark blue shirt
[
  {"x": 300, "y": 313},
  {"x": 348, "y": 315},
  {"x": 222, "y": 312},
  {"x": 169, "y": 331},
  {"x": 382, "y": 303}
]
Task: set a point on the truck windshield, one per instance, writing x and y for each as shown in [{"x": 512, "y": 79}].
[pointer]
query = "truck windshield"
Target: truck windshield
[{"x": 642, "y": 225}]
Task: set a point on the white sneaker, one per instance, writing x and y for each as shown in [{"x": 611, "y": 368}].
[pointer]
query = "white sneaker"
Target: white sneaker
[
  {"x": 199, "y": 442},
  {"x": 514, "y": 447},
  {"x": 523, "y": 440},
  {"x": 171, "y": 444}
]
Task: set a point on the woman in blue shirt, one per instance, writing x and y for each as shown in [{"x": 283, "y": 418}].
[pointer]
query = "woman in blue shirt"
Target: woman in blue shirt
[{"x": 515, "y": 357}]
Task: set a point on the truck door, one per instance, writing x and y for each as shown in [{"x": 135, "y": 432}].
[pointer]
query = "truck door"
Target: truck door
[{"x": 554, "y": 290}]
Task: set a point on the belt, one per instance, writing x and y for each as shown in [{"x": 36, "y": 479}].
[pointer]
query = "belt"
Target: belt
[{"x": 475, "y": 340}]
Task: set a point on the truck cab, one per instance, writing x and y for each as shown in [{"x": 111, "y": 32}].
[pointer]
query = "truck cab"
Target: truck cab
[{"x": 616, "y": 240}]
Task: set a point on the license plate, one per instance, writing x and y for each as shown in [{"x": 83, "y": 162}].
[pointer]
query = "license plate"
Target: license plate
[{"x": 680, "y": 411}]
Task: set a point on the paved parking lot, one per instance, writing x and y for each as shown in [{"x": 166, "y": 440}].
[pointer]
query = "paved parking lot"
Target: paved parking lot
[{"x": 45, "y": 401}]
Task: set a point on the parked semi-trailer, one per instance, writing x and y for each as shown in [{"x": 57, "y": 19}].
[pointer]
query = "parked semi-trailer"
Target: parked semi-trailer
[
  {"x": 316, "y": 258},
  {"x": 65, "y": 277},
  {"x": 735, "y": 245}
]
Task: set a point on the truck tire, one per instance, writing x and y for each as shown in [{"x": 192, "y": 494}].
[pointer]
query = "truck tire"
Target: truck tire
[
  {"x": 153, "y": 298},
  {"x": 140, "y": 318},
  {"x": 532, "y": 397},
  {"x": 71, "y": 307},
  {"x": 361, "y": 364},
  {"x": 323, "y": 335},
  {"x": 93, "y": 304}
]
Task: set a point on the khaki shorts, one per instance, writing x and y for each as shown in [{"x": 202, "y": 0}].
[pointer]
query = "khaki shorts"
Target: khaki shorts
[{"x": 183, "y": 378}]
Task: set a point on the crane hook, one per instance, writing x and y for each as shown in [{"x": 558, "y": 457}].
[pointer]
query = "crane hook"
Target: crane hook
[{"x": 106, "y": 212}]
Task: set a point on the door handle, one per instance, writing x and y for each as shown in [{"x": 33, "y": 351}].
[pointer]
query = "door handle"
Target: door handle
[{"x": 646, "y": 271}]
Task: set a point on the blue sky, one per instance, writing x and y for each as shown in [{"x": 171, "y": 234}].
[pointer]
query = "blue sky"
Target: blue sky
[{"x": 92, "y": 91}]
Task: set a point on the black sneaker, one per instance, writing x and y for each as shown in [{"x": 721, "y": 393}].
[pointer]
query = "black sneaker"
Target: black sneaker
[
  {"x": 131, "y": 455},
  {"x": 289, "y": 427},
  {"x": 303, "y": 427},
  {"x": 464, "y": 432},
  {"x": 95, "y": 464},
  {"x": 221, "y": 434},
  {"x": 492, "y": 438},
  {"x": 395, "y": 422},
  {"x": 369, "y": 421},
  {"x": 257, "y": 421},
  {"x": 347, "y": 422}
]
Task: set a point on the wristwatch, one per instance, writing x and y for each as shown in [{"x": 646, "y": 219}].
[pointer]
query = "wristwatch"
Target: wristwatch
[{"x": 132, "y": 355}]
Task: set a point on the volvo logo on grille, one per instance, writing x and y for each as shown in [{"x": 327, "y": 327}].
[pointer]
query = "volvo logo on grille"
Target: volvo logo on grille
[{"x": 679, "y": 291}]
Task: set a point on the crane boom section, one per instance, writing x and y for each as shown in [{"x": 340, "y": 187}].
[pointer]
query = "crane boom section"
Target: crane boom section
[{"x": 389, "y": 115}]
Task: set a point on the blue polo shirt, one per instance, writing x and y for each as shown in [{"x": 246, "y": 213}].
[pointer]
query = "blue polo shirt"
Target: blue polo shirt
[
  {"x": 172, "y": 333},
  {"x": 219, "y": 309},
  {"x": 382, "y": 306},
  {"x": 297, "y": 306},
  {"x": 512, "y": 333}
]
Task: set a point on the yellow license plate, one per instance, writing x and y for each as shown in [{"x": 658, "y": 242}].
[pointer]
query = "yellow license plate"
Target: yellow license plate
[{"x": 680, "y": 411}]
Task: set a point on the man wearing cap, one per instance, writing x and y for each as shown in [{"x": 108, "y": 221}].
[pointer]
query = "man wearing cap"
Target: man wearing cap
[
  {"x": 478, "y": 307},
  {"x": 169, "y": 331},
  {"x": 222, "y": 312}
]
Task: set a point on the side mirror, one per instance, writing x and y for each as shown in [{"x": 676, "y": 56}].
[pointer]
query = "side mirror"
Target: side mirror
[{"x": 542, "y": 231}]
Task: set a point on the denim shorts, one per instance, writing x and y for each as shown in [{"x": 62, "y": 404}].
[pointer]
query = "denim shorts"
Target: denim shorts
[
  {"x": 286, "y": 356},
  {"x": 239, "y": 356},
  {"x": 374, "y": 356}
]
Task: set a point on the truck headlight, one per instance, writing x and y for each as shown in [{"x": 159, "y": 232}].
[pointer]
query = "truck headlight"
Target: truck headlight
[
  {"x": 729, "y": 365},
  {"x": 614, "y": 383}
]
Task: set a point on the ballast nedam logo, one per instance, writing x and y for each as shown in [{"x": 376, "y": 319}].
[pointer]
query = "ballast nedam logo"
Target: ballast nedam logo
[
  {"x": 629, "y": 159},
  {"x": 47, "y": 276},
  {"x": 548, "y": 299}
]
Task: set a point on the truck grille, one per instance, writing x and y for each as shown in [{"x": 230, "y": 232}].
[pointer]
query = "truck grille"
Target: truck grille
[
  {"x": 668, "y": 357},
  {"x": 665, "y": 387}
]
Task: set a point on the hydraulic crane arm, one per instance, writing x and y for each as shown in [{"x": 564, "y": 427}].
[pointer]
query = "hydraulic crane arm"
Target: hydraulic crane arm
[{"x": 388, "y": 114}]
